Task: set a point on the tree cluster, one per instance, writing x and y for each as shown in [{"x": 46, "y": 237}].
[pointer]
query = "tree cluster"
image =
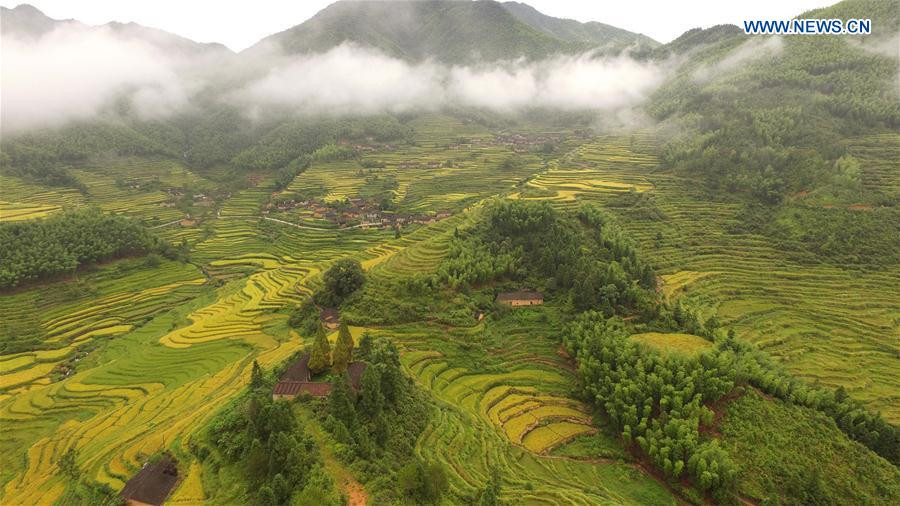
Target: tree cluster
[
  {"x": 377, "y": 428},
  {"x": 585, "y": 256},
  {"x": 657, "y": 403},
  {"x": 61, "y": 243},
  {"x": 341, "y": 280},
  {"x": 262, "y": 438}
]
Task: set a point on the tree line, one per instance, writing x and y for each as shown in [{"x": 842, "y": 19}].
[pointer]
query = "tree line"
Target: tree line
[
  {"x": 659, "y": 404},
  {"x": 63, "y": 242}
]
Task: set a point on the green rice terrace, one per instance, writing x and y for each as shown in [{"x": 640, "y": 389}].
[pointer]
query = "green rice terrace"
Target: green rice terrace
[{"x": 134, "y": 355}]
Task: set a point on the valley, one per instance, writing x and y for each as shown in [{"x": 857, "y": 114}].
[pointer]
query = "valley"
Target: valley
[
  {"x": 149, "y": 352},
  {"x": 449, "y": 252}
]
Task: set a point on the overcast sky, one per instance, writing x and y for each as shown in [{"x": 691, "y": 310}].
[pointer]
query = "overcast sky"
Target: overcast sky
[{"x": 240, "y": 24}]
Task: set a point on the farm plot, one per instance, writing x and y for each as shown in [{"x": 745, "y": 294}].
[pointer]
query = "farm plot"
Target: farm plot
[
  {"x": 509, "y": 421},
  {"x": 826, "y": 323}
]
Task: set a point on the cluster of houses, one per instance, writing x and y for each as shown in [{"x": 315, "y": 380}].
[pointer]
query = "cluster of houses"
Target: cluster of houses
[
  {"x": 520, "y": 143},
  {"x": 429, "y": 165},
  {"x": 356, "y": 211},
  {"x": 197, "y": 199}
]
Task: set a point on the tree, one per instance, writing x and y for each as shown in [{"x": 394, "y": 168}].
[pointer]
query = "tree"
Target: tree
[
  {"x": 256, "y": 376},
  {"x": 436, "y": 481},
  {"x": 320, "y": 356},
  {"x": 343, "y": 349},
  {"x": 371, "y": 399},
  {"x": 68, "y": 464},
  {"x": 281, "y": 489},
  {"x": 267, "y": 496},
  {"x": 490, "y": 496},
  {"x": 256, "y": 461},
  {"x": 342, "y": 279},
  {"x": 366, "y": 342},
  {"x": 341, "y": 402},
  {"x": 426, "y": 483}
]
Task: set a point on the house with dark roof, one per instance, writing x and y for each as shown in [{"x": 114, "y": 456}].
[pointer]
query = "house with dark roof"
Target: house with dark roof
[
  {"x": 152, "y": 484},
  {"x": 291, "y": 389},
  {"x": 296, "y": 380},
  {"x": 298, "y": 371},
  {"x": 521, "y": 298}
]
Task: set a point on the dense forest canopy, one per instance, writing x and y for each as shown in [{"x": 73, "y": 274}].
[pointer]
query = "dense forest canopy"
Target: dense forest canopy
[
  {"x": 767, "y": 116},
  {"x": 588, "y": 258},
  {"x": 62, "y": 243}
]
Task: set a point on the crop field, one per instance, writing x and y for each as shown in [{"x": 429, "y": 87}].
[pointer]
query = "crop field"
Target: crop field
[
  {"x": 126, "y": 359},
  {"x": 828, "y": 324},
  {"x": 22, "y": 200},
  {"x": 512, "y": 417},
  {"x": 685, "y": 344}
]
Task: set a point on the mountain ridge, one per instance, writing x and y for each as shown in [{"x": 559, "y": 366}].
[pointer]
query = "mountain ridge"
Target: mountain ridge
[{"x": 449, "y": 32}]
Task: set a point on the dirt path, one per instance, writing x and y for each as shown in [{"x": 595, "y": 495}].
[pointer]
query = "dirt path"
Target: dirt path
[
  {"x": 356, "y": 493},
  {"x": 165, "y": 224}
]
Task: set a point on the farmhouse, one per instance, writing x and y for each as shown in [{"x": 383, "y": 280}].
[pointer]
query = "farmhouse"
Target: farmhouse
[
  {"x": 152, "y": 484},
  {"x": 521, "y": 298},
  {"x": 296, "y": 380},
  {"x": 330, "y": 318}
]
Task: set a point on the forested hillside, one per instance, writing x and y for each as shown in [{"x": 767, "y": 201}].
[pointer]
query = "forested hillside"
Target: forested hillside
[
  {"x": 770, "y": 116},
  {"x": 449, "y": 32},
  {"x": 63, "y": 243}
]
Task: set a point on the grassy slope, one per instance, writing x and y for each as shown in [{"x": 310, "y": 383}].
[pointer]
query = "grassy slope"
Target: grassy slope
[
  {"x": 785, "y": 453},
  {"x": 827, "y": 323}
]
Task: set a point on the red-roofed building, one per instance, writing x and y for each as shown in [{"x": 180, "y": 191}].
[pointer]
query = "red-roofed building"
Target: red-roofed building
[{"x": 296, "y": 380}]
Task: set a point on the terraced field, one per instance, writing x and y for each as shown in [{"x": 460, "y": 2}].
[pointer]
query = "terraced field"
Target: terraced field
[
  {"x": 21, "y": 200},
  {"x": 126, "y": 360},
  {"x": 685, "y": 344},
  {"x": 831, "y": 324},
  {"x": 509, "y": 411}
]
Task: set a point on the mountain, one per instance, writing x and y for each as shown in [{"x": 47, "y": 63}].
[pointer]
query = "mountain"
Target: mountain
[
  {"x": 447, "y": 31},
  {"x": 590, "y": 33},
  {"x": 28, "y": 22}
]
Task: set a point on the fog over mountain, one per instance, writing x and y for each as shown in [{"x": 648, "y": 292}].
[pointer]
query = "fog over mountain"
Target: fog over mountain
[{"x": 58, "y": 71}]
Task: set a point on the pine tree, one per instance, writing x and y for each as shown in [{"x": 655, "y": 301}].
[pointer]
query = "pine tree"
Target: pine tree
[
  {"x": 343, "y": 349},
  {"x": 320, "y": 356},
  {"x": 371, "y": 399},
  {"x": 366, "y": 342},
  {"x": 341, "y": 402},
  {"x": 256, "y": 462},
  {"x": 256, "y": 376}
]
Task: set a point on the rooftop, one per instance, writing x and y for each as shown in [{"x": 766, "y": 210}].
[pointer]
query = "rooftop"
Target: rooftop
[
  {"x": 313, "y": 388},
  {"x": 520, "y": 296},
  {"x": 329, "y": 315},
  {"x": 298, "y": 371},
  {"x": 153, "y": 482}
]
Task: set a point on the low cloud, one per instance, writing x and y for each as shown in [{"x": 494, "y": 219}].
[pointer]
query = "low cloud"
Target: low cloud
[
  {"x": 74, "y": 71},
  {"x": 351, "y": 79},
  {"x": 755, "y": 49}
]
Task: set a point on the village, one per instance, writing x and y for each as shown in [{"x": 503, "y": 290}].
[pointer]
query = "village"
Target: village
[{"x": 356, "y": 212}]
